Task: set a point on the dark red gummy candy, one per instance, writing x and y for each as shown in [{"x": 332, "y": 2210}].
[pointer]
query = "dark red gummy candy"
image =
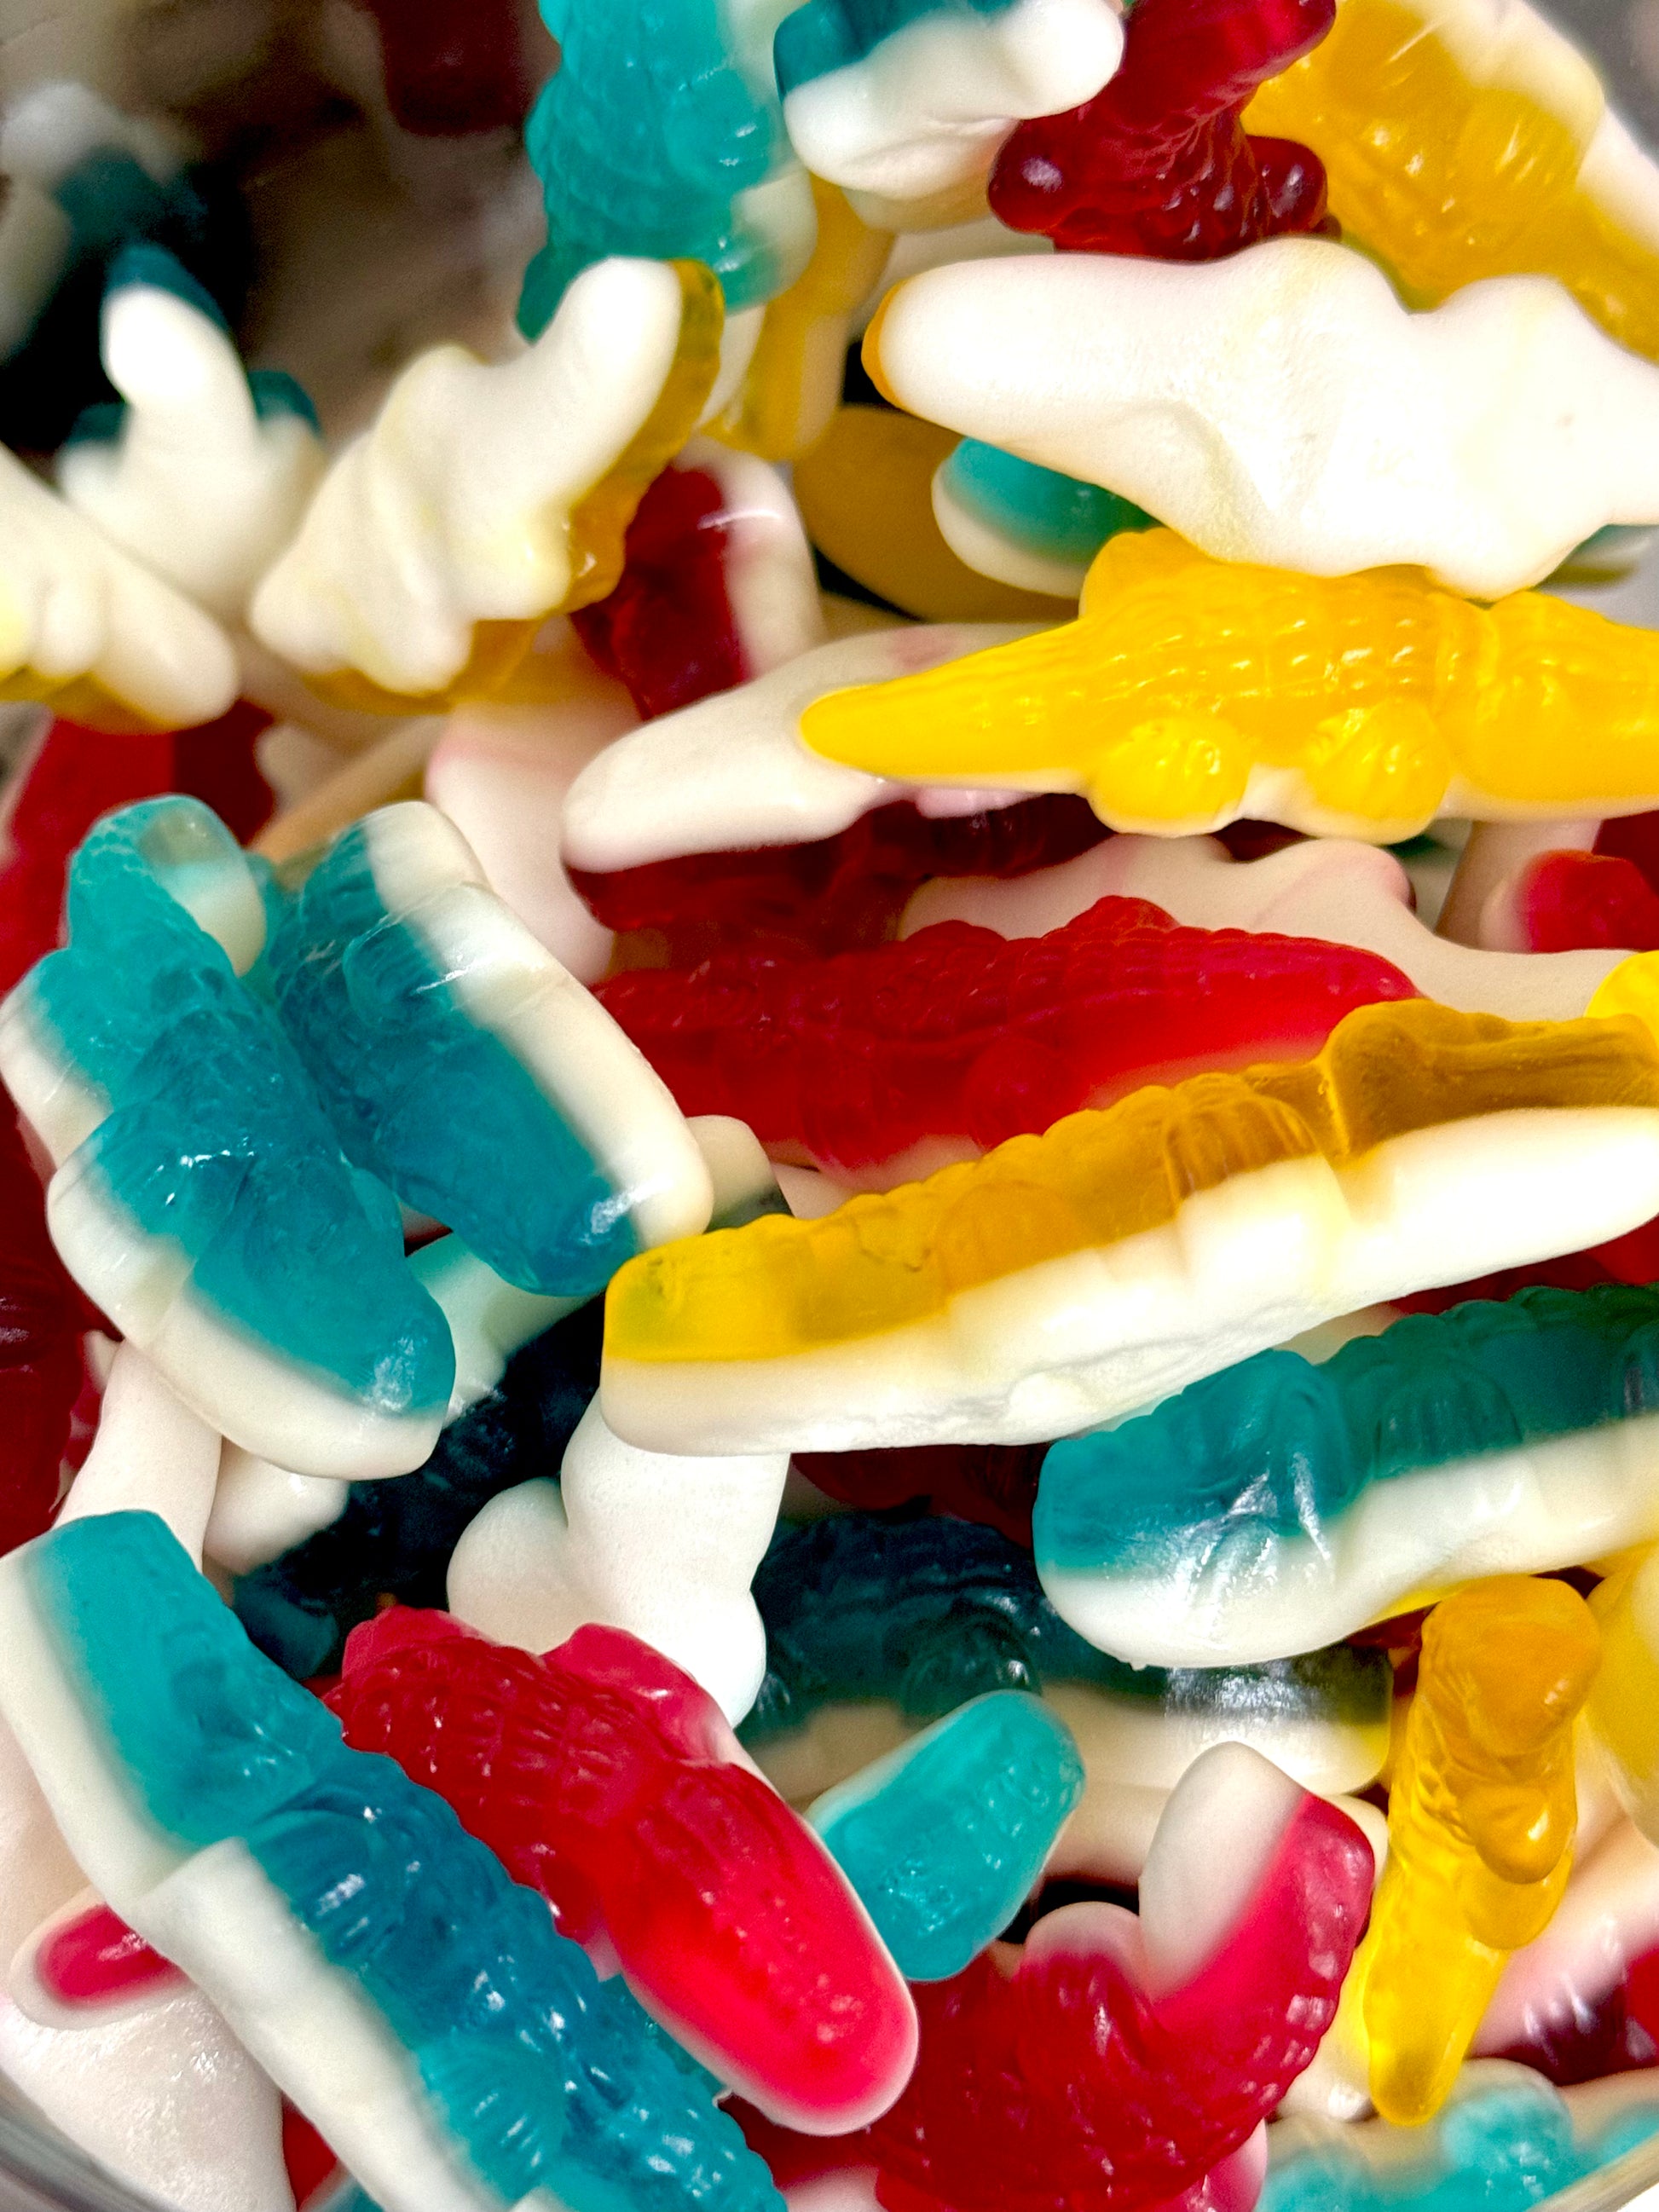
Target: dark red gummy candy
[{"x": 1158, "y": 164}]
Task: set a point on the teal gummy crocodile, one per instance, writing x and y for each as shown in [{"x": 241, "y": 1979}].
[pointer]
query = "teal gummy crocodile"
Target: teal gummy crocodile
[
  {"x": 1506, "y": 2140},
  {"x": 201, "y": 1196},
  {"x": 454, "y": 2049},
  {"x": 945, "y": 1839},
  {"x": 927, "y": 1614},
  {"x": 1280, "y": 1505},
  {"x": 661, "y": 136},
  {"x": 1025, "y": 523},
  {"x": 463, "y": 1067}
]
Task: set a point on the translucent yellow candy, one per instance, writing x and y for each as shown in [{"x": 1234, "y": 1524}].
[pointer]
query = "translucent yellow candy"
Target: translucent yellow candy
[
  {"x": 1002, "y": 1289},
  {"x": 1191, "y": 691},
  {"x": 794, "y": 384},
  {"x": 1481, "y": 1816},
  {"x": 1463, "y": 141}
]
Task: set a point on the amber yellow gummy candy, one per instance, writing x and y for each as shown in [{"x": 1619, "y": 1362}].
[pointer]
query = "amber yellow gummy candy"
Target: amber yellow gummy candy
[
  {"x": 883, "y": 1261},
  {"x": 1448, "y": 176},
  {"x": 793, "y": 383},
  {"x": 1481, "y": 1816},
  {"x": 1373, "y": 695}
]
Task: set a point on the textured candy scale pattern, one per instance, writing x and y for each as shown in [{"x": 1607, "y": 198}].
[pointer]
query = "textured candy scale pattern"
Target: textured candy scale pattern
[
  {"x": 959, "y": 1033},
  {"x": 944, "y": 1839},
  {"x": 1482, "y": 1814},
  {"x": 890, "y": 1281},
  {"x": 930, "y": 1614},
  {"x": 602, "y": 1775},
  {"x": 660, "y": 136},
  {"x": 1158, "y": 163},
  {"x": 1193, "y": 691},
  {"x": 1086, "y": 2078},
  {"x": 1464, "y": 141},
  {"x": 201, "y": 1198},
  {"x": 1504, "y": 2141},
  {"x": 412, "y": 1999},
  {"x": 421, "y": 1006},
  {"x": 826, "y": 894},
  {"x": 1282, "y": 1500}
]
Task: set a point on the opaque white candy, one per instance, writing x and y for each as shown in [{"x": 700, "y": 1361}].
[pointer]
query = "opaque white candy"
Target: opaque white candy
[
  {"x": 197, "y": 485},
  {"x": 454, "y": 507},
  {"x": 664, "y": 1546},
  {"x": 1284, "y": 407}
]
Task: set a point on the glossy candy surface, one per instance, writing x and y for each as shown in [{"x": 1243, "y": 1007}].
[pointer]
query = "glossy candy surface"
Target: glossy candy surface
[
  {"x": 718, "y": 587},
  {"x": 944, "y": 1839},
  {"x": 980, "y": 1306},
  {"x": 61, "y": 787},
  {"x": 1158, "y": 163},
  {"x": 1282, "y": 1504},
  {"x": 200, "y": 1197},
  {"x": 601, "y": 1775},
  {"x": 1321, "y": 424},
  {"x": 1170, "y": 705},
  {"x": 732, "y": 774},
  {"x": 793, "y": 385},
  {"x": 668, "y": 629},
  {"x": 1504, "y": 2141},
  {"x": 1025, "y": 2096},
  {"x": 660, "y": 136},
  {"x": 1026, "y": 525},
  {"x": 421, "y": 1006},
  {"x": 1582, "y": 1999},
  {"x": 1463, "y": 141},
  {"x": 411, "y": 1997},
  {"x": 959, "y": 1035},
  {"x": 1621, "y": 1709},
  {"x": 1481, "y": 1815},
  {"x": 875, "y": 1627}
]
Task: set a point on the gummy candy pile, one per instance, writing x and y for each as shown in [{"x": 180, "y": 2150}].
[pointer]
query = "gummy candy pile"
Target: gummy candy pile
[{"x": 829, "y": 1263}]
